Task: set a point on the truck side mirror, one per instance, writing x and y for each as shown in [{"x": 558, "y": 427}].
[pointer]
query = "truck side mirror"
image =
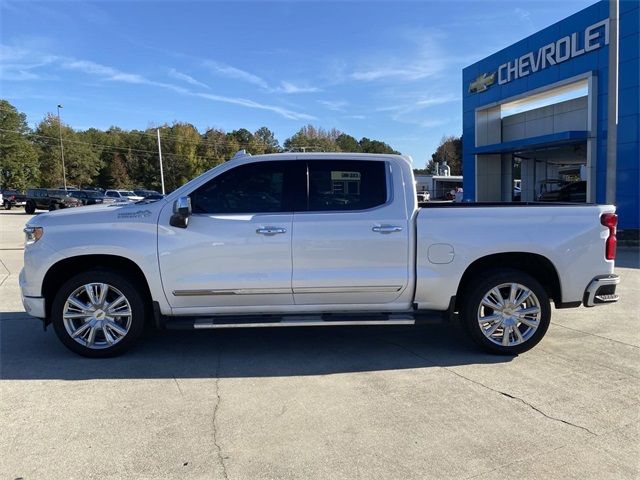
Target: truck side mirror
[{"x": 181, "y": 212}]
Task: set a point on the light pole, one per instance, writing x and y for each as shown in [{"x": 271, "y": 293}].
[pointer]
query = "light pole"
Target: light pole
[
  {"x": 64, "y": 173},
  {"x": 160, "y": 155}
]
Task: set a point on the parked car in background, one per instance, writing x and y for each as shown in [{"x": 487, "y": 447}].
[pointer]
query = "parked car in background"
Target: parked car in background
[
  {"x": 49, "y": 199},
  {"x": 91, "y": 197},
  {"x": 123, "y": 195},
  {"x": 13, "y": 198},
  {"x": 573, "y": 192},
  {"x": 147, "y": 193}
]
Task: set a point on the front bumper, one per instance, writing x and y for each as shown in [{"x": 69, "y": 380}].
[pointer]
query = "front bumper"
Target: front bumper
[
  {"x": 601, "y": 290},
  {"x": 34, "y": 306}
]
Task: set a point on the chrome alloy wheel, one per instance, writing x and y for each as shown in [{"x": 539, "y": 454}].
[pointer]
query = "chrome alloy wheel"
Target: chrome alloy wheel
[
  {"x": 97, "y": 315},
  {"x": 509, "y": 314}
]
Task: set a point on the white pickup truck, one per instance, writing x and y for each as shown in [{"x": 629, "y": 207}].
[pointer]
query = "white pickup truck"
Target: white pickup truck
[{"x": 313, "y": 239}]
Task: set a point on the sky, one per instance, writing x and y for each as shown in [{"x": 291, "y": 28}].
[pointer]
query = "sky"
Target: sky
[{"x": 390, "y": 71}]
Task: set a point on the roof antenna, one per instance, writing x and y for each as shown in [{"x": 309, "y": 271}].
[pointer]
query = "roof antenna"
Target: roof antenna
[{"x": 240, "y": 154}]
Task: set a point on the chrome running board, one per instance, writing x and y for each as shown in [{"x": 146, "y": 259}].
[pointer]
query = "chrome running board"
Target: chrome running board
[{"x": 271, "y": 321}]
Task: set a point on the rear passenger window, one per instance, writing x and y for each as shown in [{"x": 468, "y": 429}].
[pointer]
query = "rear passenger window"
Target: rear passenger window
[{"x": 346, "y": 185}]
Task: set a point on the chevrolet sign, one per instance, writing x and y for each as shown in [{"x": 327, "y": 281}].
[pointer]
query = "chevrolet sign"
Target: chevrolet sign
[
  {"x": 553, "y": 53},
  {"x": 483, "y": 82}
]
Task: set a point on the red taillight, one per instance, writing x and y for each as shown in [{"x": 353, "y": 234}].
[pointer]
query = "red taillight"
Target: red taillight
[{"x": 610, "y": 220}]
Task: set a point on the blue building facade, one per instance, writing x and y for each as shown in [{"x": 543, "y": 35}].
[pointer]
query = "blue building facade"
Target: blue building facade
[{"x": 559, "y": 107}]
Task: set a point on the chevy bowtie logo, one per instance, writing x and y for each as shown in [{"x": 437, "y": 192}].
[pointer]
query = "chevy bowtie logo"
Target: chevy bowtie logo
[{"x": 482, "y": 82}]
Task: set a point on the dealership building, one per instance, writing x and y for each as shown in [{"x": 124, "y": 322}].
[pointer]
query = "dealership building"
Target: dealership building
[{"x": 558, "y": 111}]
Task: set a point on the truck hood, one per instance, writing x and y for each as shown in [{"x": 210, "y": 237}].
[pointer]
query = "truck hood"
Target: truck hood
[{"x": 109, "y": 213}]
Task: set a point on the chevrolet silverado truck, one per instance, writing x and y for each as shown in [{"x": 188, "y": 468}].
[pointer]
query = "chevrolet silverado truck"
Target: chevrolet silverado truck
[{"x": 314, "y": 239}]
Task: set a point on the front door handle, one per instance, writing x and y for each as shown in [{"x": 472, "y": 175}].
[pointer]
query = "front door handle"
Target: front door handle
[
  {"x": 387, "y": 228},
  {"x": 270, "y": 230}
]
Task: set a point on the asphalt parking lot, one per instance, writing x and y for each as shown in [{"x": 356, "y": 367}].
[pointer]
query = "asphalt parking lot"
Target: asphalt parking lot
[{"x": 325, "y": 403}]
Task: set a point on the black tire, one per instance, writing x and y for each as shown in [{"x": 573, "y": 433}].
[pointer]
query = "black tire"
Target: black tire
[
  {"x": 125, "y": 287},
  {"x": 54, "y": 206},
  {"x": 7, "y": 205},
  {"x": 472, "y": 309},
  {"x": 30, "y": 208}
]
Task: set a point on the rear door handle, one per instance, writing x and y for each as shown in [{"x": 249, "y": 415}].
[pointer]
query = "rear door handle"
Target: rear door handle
[
  {"x": 387, "y": 228},
  {"x": 270, "y": 230}
]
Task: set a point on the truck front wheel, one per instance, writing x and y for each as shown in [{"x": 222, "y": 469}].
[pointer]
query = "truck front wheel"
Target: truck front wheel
[
  {"x": 98, "y": 313},
  {"x": 30, "y": 207},
  {"x": 506, "y": 312}
]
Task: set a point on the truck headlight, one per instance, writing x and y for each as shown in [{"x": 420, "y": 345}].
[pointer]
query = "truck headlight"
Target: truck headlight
[{"x": 32, "y": 234}]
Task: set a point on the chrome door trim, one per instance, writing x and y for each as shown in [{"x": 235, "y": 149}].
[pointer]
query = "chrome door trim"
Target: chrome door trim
[
  {"x": 349, "y": 289},
  {"x": 237, "y": 291}
]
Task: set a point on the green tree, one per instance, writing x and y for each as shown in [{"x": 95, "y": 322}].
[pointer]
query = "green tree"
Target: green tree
[
  {"x": 117, "y": 175},
  {"x": 312, "y": 139},
  {"x": 82, "y": 159},
  {"x": 18, "y": 157},
  {"x": 375, "y": 146},
  {"x": 449, "y": 150},
  {"x": 347, "y": 143},
  {"x": 180, "y": 152},
  {"x": 266, "y": 140},
  {"x": 212, "y": 147}
]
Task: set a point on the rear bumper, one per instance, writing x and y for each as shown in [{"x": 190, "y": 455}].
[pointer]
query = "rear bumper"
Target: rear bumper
[{"x": 601, "y": 290}]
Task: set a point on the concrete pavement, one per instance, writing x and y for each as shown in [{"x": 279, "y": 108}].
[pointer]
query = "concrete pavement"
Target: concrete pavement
[{"x": 388, "y": 403}]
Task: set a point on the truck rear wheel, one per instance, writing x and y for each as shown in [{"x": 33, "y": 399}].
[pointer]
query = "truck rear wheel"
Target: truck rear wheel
[
  {"x": 506, "y": 312},
  {"x": 30, "y": 207},
  {"x": 7, "y": 205},
  {"x": 98, "y": 313}
]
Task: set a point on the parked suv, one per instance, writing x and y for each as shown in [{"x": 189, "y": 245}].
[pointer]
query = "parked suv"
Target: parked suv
[
  {"x": 13, "y": 198},
  {"x": 91, "y": 197},
  {"x": 49, "y": 199},
  {"x": 123, "y": 195}
]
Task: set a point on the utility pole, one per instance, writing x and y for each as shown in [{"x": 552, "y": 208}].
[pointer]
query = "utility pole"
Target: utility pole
[
  {"x": 160, "y": 155},
  {"x": 64, "y": 173}
]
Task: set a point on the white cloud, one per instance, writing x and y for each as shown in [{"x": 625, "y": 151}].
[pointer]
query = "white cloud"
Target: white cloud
[
  {"x": 173, "y": 73},
  {"x": 108, "y": 73},
  {"x": 234, "y": 73},
  {"x": 288, "y": 87},
  {"x": 290, "y": 114},
  {"x": 417, "y": 103},
  {"x": 427, "y": 55},
  {"x": 17, "y": 64},
  {"x": 335, "y": 105}
]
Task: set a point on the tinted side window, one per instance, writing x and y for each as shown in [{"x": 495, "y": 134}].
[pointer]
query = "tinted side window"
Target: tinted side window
[
  {"x": 261, "y": 187},
  {"x": 346, "y": 185},
  {"x": 112, "y": 194}
]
